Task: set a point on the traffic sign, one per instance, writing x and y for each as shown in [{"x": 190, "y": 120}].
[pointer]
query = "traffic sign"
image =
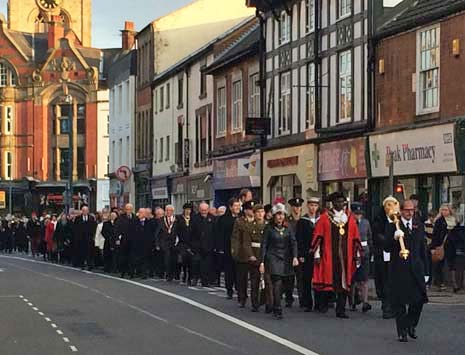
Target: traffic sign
[{"x": 123, "y": 173}]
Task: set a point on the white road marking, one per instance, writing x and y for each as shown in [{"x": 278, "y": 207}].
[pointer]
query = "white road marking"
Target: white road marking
[
  {"x": 73, "y": 348},
  {"x": 254, "y": 329},
  {"x": 35, "y": 308},
  {"x": 59, "y": 332},
  {"x": 2, "y": 270},
  {"x": 66, "y": 340},
  {"x": 21, "y": 296},
  {"x": 8, "y": 296},
  {"x": 48, "y": 319},
  {"x": 30, "y": 304},
  {"x": 41, "y": 313},
  {"x": 53, "y": 325}
]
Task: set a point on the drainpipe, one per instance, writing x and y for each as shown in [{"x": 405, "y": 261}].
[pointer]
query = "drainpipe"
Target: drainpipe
[{"x": 262, "y": 64}]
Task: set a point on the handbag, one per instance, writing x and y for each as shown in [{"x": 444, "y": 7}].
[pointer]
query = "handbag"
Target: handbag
[{"x": 437, "y": 254}]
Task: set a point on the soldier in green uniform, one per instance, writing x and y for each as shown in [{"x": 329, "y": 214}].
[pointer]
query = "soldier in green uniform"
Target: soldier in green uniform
[{"x": 241, "y": 250}]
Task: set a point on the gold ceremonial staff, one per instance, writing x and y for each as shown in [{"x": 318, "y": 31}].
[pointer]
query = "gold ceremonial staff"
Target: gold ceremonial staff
[{"x": 391, "y": 207}]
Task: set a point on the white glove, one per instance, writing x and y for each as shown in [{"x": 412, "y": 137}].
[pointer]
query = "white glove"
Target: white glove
[
  {"x": 426, "y": 279},
  {"x": 398, "y": 234}
]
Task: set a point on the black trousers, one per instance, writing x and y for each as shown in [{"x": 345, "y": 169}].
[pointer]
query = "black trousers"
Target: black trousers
[
  {"x": 170, "y": 258},
  {"x": 407, "y": 316},
  {"x": 244, "y": 271},
  {"x": 304, "y": 283},
  {"x": 202, "y": 268},
  {"x": 277, "y": 290},
  {"x": 341, "y": 301},
  {"x": 186, "y": 266},
  {"x": 288, "y": 289},
  {"x": 226, "y": 264}
]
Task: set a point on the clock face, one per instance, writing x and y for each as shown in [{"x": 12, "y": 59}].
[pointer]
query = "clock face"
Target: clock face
[{"x": 49, "y": 4}]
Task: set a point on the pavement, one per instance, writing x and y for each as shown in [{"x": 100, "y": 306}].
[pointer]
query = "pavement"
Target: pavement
[{"x": 51, "y": 310}]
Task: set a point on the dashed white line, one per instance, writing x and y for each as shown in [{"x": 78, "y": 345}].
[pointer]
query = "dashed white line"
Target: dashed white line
[
  {"x": 35, "y": 308},
  {"x": 53, "y": 325},
  {"x": 66, "y": 340},
  {"x": 30, "y": 304},
  {"x": 59, "y": 332},
  {"x": 73, "y": 348},
  {"x": 21, "y": 296},
  {"x": 41, "y": 314},
  {"x": 25, "y": 300},
  {"x": 48, "y": 319}
]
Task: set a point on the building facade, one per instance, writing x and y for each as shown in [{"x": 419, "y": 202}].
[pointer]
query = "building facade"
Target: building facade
[
  {"x": 419, "y": 64},
  {"x": 121, "y": 125},
  {"x": 50, "y": 83}
]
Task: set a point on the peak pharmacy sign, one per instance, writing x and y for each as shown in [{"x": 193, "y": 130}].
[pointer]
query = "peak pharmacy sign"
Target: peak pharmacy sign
[{"x": 419, "y": 151}]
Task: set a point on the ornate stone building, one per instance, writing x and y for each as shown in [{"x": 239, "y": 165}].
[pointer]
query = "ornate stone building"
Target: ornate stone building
[{"x": 50, "y": 84}]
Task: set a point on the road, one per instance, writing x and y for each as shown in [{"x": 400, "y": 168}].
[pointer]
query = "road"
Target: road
[{"x": 51, "y": 310}]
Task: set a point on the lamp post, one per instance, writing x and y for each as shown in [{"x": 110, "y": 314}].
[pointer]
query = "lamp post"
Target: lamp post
[
  {"x": 10, "y": 187},
  {"x": 69, "y": 186}
]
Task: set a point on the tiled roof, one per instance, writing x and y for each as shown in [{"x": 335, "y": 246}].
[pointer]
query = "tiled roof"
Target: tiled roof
[{"x": 420, "y": 13}]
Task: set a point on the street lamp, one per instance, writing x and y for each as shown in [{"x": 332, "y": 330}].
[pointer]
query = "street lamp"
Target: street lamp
[{"x": 69, "y": 186}]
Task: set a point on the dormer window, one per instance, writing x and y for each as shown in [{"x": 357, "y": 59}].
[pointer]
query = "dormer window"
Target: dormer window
[{"x": 7, "y": 75}]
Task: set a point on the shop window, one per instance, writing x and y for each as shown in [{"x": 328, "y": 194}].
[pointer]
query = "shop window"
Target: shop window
[{"x": 285, "y": 187}]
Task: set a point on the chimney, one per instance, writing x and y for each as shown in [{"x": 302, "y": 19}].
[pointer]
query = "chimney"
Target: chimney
[
  {"x": 56, "y": 31},
  {"x": 128, "y": 35}
]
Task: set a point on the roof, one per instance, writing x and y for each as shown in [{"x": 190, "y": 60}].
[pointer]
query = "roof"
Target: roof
[
  {"x": 420, "y": 13},
  {"x": 246, "y": 45},
  {"x": 199, "y": 53}
]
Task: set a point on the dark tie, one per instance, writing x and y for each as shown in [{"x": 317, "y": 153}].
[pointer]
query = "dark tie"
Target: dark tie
[{"x": 408, "y": 226}]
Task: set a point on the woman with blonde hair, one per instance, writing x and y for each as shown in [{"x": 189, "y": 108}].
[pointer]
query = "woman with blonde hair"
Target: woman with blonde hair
[{"x": 444, "y": 223}]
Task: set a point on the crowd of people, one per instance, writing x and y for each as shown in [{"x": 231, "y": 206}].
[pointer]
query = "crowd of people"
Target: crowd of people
[{"x": 326, "y": 254}]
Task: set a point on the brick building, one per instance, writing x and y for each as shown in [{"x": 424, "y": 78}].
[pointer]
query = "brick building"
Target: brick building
[
  {"x": 418, "y": 101},
  {"x": 50, "y": 80}
]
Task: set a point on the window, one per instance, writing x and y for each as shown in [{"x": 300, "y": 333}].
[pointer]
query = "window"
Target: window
[
  {"x": 64, "y": 163},
  {"x": 310, "y": 15},
  {"x": 161, "y": 150},
  {"x": 155, "y": 151},
  {"x": 203, "y": 79},
  {"x": 168, "y": 95},
  {"x": 128, "y": 152},
  {"x": 221, "y": 119},
  {"x": 237, "y": 106},
  {"x": 8, "y": 166},
  {"x": 180, "y": 92},
  {"x": 156, "y": 101},
  {"x": 120, "y": 152},
  {"x": 7, "y": 75},
  {"x": 345, "y": 86},
  {"x": 310, "y": 120},
  {"x": 81, "y": 119},
  {"x": 428, "y": 70},
  {"x": 65, "y": 117},
  {"x": 284, "y": 28},
  {"x": 162, "y": 98},
  {"x": 254, "y": 100},
  {"x": 284, "y": 119},
  {"x": 120, "y": 99},
  {"x": 108, "y": 125},
  {"x": 113, "y": 154},
  {"x": 81, "y": 163},
  {"x": 167, "y": 148},
  {"x": 344, "y": 8},
  {"x": 9, "y": 119}
]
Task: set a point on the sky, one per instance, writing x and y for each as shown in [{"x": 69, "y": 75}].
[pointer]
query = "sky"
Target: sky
[{"x": 109, "y": 16}]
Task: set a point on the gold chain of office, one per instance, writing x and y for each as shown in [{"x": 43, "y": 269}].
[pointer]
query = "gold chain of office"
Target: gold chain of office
[{"x": 341, "y": 226}]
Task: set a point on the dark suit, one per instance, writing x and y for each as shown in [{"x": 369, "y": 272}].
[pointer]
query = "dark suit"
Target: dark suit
[
  {"x": 166, "y": 241},
  {"x": 224, "y": 230},
  {"x": 185, "y": 246},
  {"x": 84, "y": 241},
  {"x": 407, "y": 289},
  {"x": 141, "y": 246},
  {"x": 125, "y": 228},
  {"x": 203, "y": 244}
]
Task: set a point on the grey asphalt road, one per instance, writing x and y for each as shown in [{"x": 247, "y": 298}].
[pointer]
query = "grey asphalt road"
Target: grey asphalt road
[{"x": 46, "y": 309}]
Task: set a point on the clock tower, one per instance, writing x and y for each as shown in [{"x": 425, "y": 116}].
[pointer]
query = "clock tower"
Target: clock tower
[{"x": 33, "y": 16}]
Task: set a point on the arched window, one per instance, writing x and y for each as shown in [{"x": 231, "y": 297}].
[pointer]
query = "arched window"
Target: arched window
[
  {"x": 7, "y": 75},
  {"x": 40, "y": 24}
]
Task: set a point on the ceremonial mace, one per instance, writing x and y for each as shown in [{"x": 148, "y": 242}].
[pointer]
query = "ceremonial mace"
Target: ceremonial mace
[{"x": 391, "y": 207}]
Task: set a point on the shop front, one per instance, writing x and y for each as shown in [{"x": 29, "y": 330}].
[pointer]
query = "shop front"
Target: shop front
[
  {"x": 342, "y": 167},
  {"x": 290, "y": 172},
  {"x": 424, "y": 163},
  {"x": 231, "y": 174},
  {"x": 160, "y": 192}
]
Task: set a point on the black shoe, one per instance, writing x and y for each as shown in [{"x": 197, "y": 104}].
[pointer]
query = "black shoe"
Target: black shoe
[
  {"x": 288, "y": 305},
  {"x": 254, "y": 309},
  {"x": 412, "y": 332},
  {"x": 403, "y": 338},
  {"x": 241, "y": 305},
  {"x": 268, "y": 310},
  {"x": 342, "y": 316},
  {"x": 229, "y": 296},
  {"x": 366, "y": 307},
  {"x": 308, "y": 309}
]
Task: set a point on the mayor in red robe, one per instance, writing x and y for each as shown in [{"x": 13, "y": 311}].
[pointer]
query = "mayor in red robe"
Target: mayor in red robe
[{"x": 337, "y": 249}]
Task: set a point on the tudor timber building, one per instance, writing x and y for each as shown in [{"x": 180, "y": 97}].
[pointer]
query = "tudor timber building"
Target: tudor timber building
[
  {"x": 51, "y": 80},
  {"x": 316, "y": 65}
]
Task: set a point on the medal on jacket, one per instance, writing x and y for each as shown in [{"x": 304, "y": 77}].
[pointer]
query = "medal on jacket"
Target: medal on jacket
[
  {"x": 280, "y": 231},
  {"x": 169, "y": 224},
  {"x": 342, "y": 231}
]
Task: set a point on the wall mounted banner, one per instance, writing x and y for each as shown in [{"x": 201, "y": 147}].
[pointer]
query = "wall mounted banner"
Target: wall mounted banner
[{"x": 428, "y": 150}]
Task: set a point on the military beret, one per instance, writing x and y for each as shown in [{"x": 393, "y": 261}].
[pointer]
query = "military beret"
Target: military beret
[
  {"x": 257, "y": 207},
  {"x": 296, "y": 202}
]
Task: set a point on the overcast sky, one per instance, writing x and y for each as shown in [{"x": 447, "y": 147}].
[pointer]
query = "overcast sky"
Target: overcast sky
[{"x": 109, "y": 16}]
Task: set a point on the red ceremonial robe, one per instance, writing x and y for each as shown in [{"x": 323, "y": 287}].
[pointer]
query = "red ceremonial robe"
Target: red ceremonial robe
[{"x": 323, "y": 271}]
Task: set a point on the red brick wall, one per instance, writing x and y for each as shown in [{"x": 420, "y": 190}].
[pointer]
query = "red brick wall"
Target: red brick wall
[{"x": 395, "y": 99}]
